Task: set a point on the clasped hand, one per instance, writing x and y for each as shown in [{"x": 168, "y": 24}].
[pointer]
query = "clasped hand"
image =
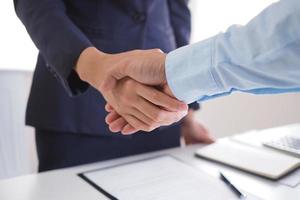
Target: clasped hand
[{"x": 135, "y": 88}]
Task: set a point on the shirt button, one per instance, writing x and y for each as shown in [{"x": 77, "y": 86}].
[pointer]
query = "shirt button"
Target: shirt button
[{"x": 139, "y": 17}]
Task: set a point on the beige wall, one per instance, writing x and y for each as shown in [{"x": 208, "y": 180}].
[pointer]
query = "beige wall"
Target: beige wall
[{"x": 242, "y": 112}]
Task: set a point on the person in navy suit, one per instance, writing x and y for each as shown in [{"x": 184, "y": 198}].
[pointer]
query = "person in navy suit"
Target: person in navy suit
[{"x": 66, "y": 109}]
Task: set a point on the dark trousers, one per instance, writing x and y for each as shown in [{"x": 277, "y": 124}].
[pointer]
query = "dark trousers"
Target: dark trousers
[{"x": 58, "y": 149}]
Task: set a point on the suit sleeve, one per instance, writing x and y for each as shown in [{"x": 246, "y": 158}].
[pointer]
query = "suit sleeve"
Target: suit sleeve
[
  {"x": 58, "y": 39},
  {"x": 180, "y": 17},
  {"x": 181, "y": 22}
]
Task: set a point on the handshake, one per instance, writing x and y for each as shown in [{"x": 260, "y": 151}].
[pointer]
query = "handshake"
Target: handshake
[{"x": 135, "y": 88}]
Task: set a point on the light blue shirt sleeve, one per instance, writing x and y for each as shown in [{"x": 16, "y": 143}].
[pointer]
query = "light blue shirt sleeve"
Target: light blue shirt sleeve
[{"x": 262, "y": 57}]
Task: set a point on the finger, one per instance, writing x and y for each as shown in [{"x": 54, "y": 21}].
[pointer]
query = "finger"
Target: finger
[
  {"x": 167, "y": 90},
  {"x": 204, "y": 135},
  {"x": 108, "y": 108},
  {"x": 142, "y": 117},
  {"x": 112, "y": 117},
  {"x": 208, "y": 139},
  {"x": 160, "y": 116},
  {"x": 136, "y": 123},
  {"x": 158, "y": 98},
  {"x": 128, "y": 130},
  {"x": 108, "y": 83},
  {"x": 152, "y": 111},
  {"x": 114, "y": 74},
  {"x": 117, "y": 125}
]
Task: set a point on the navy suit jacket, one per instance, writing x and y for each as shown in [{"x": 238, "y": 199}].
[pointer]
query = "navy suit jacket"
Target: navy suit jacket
[{"x": 62, "y": 29}]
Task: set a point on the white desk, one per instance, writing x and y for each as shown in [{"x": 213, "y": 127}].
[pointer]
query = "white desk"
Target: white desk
[{"x": 65, "y": 184}]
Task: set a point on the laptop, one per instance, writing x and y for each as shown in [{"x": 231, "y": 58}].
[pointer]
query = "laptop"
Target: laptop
[{"x": 289, "y": 143}]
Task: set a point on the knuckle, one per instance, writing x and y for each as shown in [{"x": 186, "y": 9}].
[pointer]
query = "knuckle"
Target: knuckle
[
  {"x": 155, "y": 95},
  {"x": 130, "y": 85},
  {"x": 127, "y": 84},
  {"x": 124, "y": 99},
  {"x": 159, "y": 116},
  {"x": 157, "y": 50},
  {"x": 139, "y": 101},
  {"x": 121, "y": 112}
]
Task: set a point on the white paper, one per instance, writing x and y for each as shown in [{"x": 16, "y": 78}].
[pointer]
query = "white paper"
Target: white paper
[
  {"x": 292, "y": 179},
  {"x": 161, "y": 178}
]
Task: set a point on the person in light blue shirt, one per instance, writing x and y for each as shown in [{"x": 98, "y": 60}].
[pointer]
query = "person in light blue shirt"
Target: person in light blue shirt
[{"x": 262, "y": 57}]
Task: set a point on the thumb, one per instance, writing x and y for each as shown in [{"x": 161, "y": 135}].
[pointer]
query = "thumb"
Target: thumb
[
  {"x": 144, "y": 66},
  {"x": 112, "y": 76},
  {"x": 167, "y": 90},
  {"x": 108, "y": 83}
]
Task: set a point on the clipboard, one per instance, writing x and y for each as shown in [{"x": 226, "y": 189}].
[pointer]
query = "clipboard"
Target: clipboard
[{"x": 160, "y": 177}]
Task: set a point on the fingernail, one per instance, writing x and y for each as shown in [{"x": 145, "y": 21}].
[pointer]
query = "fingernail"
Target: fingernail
[
  {"x": 112, "y": 129},
  {"x": 183, "y": 106},
  {"x": 127, "y": 132}
]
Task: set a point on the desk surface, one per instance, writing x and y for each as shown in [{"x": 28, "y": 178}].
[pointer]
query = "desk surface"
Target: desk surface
[{"x": 65, "y": 184}]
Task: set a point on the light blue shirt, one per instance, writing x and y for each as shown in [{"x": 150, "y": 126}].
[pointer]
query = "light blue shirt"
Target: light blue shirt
[{"x": 262, "y": 57}]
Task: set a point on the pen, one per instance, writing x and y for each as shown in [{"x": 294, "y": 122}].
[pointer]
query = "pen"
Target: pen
[{"x": 232, "y": 187}]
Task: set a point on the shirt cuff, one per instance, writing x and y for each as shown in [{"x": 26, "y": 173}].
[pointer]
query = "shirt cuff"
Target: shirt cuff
[
  {"x": 194, "y": 106},
  {"x": 188, "y": 71}
]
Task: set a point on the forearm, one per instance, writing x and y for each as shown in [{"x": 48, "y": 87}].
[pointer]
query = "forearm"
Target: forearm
[
  {"x": 58, "y": 39},
  {"x": 261, "y": 57}
]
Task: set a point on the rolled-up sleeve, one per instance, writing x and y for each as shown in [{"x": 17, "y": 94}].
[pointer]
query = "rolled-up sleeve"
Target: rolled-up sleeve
[
  {"x": 261, "y": 57},
  {"x": 188, "y": 71}
]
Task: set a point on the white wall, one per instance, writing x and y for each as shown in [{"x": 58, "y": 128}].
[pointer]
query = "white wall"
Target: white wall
[
  {"x": 17, "y": 149},
  {"x": 16, "y": 49},
  {"x": 212, "y": 16}
]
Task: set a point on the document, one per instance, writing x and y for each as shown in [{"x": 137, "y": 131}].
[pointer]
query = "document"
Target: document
[{"x": 160, "y": 178}]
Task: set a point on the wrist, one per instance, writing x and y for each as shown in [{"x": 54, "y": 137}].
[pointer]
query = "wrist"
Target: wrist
[
  {"x": 90, "y": 65},
  {"x": 163, "y": 68}
]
